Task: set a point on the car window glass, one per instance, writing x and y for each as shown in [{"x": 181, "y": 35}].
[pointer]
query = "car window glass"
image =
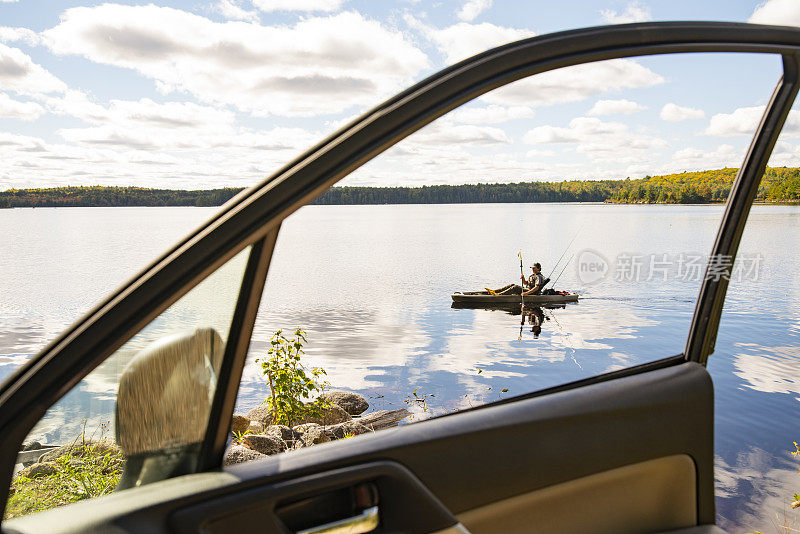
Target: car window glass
[
  {"x": 756, "y": 357},
  {"x": 138, "y": 417},
  {"x": 611, "y": 176}
]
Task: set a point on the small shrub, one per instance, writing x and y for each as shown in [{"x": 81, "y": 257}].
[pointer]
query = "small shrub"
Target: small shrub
[{"x": 291, "y": 384}]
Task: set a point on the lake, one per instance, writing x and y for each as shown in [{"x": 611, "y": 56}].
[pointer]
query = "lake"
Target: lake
[{"x": 372, "y": 284}]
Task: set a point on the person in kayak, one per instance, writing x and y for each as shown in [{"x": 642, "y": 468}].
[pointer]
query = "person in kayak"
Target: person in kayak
[{"x": 532, "y": 285}]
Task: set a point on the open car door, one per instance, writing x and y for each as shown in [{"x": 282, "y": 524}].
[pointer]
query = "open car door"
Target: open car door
[{"x": 627, "y": 451}]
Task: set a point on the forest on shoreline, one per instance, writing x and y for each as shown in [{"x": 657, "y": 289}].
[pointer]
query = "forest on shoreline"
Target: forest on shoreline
[{"x": 779, "y": 185}]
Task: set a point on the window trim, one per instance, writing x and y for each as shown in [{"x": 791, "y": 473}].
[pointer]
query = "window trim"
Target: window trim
[
  {"x": 236, "y": 348},
  {"x": 708, "y": 309}
]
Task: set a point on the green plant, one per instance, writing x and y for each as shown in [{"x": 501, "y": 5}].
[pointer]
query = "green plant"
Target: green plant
[
  {"x": 239, "y": 436},
  {"x": 291, "y": 384},
  {"x": 420, "y": 400},
  {"x": 85, "y": 470}
]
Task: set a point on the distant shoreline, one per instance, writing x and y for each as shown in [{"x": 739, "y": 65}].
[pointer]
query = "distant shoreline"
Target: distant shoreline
[
  {"x": 780, "y": 185},
  {"x": 720, "y": 203}
]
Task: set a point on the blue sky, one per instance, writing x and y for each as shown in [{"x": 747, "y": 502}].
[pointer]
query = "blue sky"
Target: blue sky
[{"x": 220, "y": 93}]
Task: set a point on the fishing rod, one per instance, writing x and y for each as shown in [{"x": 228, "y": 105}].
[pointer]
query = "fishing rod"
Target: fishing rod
[
  {"x": 562, "y": 270},
  {"x": 566, "y": 337},
  {"x": 565, "y": 251}
]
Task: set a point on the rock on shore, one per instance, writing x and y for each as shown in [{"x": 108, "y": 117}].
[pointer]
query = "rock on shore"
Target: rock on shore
[
  {"x": 331, "y": 415},
  {"x": 262, "y": 414},
  {"x": 239, "y": 423},
  {"x": 264, "y": 443},
  {"x": 352, "y": 403},
  {"x": 344, "y": 417},
  {"x": 238, "y": 454}
]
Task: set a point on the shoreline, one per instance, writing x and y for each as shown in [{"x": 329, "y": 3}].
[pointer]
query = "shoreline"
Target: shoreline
[{"x": 596, "y": 203}]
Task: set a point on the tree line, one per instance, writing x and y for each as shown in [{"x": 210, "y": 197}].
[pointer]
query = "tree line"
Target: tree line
[
  {"x": 100, "y": 196},
  {"x": 779, "y": 184}
]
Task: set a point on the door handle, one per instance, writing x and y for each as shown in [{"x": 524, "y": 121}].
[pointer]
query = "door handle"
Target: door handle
[{"x": 366, "y": 521}]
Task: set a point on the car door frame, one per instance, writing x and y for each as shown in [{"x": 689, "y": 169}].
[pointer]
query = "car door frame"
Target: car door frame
[{"x": 253, "y": 217}]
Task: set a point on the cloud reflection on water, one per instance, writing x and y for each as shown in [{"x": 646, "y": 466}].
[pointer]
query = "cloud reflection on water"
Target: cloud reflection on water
[
  {"x": 380, "y": 352},
  {"x": 765, "y": 481},
  {"x": 769, "y": 369}
]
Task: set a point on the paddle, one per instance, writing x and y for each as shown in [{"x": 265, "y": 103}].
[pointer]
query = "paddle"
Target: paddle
[{"x": 521, "y": 281}]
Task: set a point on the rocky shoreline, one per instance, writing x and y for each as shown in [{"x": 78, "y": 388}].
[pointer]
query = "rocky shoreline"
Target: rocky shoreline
[{"x": 255, "y": 437}]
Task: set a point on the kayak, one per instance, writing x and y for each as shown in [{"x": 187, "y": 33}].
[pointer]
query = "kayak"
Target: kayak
[{"x": 483, "y": 297}]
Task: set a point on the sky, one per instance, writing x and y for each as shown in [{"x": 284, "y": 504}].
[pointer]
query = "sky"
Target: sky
[{"x": 220, "y": 93}]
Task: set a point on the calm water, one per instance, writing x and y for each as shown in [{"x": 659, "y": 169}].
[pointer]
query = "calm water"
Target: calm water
[{"x": 371, "y": 285}]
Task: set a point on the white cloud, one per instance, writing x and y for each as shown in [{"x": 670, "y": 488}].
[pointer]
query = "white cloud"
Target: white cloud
[
  {"x": 579, "y": 129},
  {"x": 147, "y": 155},
  {"x": 444, "y": 133},
  {"x": 691, "y": 159},
  {"x": 536, "y": 153},
  {"x": 615, "y": 107},
  {"x": 20, "y": 74},
  {"x": 491, "y": 114},
  {"x": 279, "y": 140},
  {"x": 744, "y": 121},
  {"x": 14, "y": 109},
  {"x": 298, "y": 5},
  {"x": 472, "y": 8},
  {"x": 781, "y": 12},
  {"x": 463, "y": 40},
  {"x": 148, "y": 125},
  {"x": 318, "y": 66},
  {"x": 146, "y": 143},
  {"x": 634, "y": 12},
  {"x": 231, "y": 10},
  {"x": 672, "y": 112},
  {"x": 168, "y": 115},
  {"x": 19, "y": 141},
  {"x": 785, "y": 155},
  {"x": 418, "y": 165},
  {"x": 76, "y": 104},
  {"x": 9, "y": 34},
  {"x": 572, "y": 84},
  {"x": 600, "y": 141}
]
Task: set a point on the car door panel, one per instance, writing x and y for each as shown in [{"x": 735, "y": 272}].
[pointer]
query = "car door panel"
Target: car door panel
[
  {"x": 617, "y": 430},
  {"x": 641, "y": 497}
]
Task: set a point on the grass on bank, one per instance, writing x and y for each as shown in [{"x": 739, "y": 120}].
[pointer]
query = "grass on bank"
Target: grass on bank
[{"x": 83, "y": 470}]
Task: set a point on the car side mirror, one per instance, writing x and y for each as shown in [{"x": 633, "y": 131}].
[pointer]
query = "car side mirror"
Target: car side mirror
[{"x": 163, "y": 404}]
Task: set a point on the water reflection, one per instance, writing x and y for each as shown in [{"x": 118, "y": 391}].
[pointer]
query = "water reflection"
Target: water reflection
[
  {"x": 372, "y": 286},
  {"x": 768, "y": 481},
  {"x": 534, "y": 315},
  {"x": 461, "y": 355},
  {"x": 769, "y": 369}
]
